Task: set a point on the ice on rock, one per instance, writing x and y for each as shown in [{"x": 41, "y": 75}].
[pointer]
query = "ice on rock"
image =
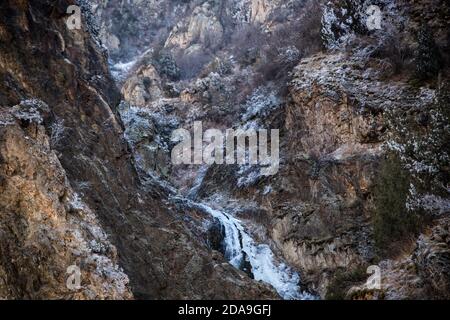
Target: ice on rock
[
  {"x": 120, "y": 70},
  {"x": 264, "y": 265}
]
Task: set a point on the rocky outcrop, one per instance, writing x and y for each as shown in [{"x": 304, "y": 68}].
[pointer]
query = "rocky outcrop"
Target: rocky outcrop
[
  {"x": 339, "y": 129},
  {"x": 45, "y": 227},
  {"x": 143, "y": 86},
  {"x": 202, "y": 27},
  {"x": 261, "y": 9},
  {"x": 128, "y": 28}
]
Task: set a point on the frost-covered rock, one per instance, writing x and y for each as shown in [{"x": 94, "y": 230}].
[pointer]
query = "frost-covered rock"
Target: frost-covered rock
[
  {"x": 32, "y": 110},
  {"x": 318, "y": 209},
  {"x": 343, "y": 21},
  {"x": 261, "y": 103},
  {"x": 424, "y": 153},
  {"x": 148, "y": 133}
]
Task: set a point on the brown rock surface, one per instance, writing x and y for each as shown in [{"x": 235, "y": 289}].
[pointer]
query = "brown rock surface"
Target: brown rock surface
[{"x": 68, "y": 71}]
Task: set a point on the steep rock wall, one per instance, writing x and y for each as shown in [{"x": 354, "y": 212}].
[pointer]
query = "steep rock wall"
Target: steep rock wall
[{"x": 68, "y": 71}]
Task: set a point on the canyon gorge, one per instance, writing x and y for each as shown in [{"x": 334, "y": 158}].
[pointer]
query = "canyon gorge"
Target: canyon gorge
[{"x": 87, "y": 117}]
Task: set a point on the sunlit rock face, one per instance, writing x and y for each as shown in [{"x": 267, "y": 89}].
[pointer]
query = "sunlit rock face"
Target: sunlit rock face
[
  {"x": 46, "y": 227},
  {"x": 203, "y": 27}
]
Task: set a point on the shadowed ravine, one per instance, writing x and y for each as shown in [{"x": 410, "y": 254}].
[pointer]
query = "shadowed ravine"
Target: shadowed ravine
[
  {"x": 89, "y": 182},
  {"x": 239, "y": 247}
]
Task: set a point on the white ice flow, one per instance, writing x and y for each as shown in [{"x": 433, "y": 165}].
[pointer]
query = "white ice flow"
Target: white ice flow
[
  {"x": 120, "y": 69},
  {"x": 261, "y": 258}
]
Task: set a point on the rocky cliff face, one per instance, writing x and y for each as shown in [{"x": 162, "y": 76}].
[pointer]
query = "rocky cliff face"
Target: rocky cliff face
[
  {"x": 85, "y": 169},
  {"x": 320, "y": 212},
  {"x": 129, "y": 28},
  {"x": 68, "y": 179},
  {"x": 46, "y": 226}
]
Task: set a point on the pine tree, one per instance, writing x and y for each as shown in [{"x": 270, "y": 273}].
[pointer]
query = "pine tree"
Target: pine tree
[
  {"x": 428, "y": 59},
  {"x": 392, "y": 222}
]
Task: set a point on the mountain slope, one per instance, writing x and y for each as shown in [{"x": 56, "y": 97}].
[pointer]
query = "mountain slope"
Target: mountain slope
[{"x": 67, "y": 70}]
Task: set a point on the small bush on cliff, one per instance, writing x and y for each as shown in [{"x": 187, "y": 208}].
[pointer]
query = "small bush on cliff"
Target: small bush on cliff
[
  {"x": 343, "y": 280},
  {"x": 246, "y": 43},
  {"x": 392, "y": 221}
]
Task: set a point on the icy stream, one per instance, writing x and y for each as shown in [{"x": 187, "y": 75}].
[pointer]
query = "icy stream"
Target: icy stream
[{"x": 239, "y": 245}]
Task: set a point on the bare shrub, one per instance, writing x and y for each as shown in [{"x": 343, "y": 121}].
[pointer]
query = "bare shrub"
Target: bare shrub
[
  {"x": 392, "y": 47},
  {"x": 58, "y": 132},
  {"x": 285, "y": 47},
  {"x": 246, "y": 43}
]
